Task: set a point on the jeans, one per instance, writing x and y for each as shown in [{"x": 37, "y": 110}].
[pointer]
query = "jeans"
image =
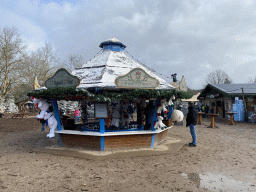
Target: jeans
[
  {"x": 193, "y": 133},
  {"x": 76, "y": 118},
  {"x": 42, "y": 127}
]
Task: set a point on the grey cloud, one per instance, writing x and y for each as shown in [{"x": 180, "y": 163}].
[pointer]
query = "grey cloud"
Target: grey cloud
[{"x": 189, "y": 37}]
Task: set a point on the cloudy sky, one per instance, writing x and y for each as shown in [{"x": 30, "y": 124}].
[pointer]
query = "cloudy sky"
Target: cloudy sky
[{"x": 187, "y": 37}]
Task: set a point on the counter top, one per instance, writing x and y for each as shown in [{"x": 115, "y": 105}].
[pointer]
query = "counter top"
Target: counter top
[{"x": 90, "y": 133}]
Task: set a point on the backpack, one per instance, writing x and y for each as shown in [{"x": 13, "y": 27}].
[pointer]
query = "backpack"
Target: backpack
[{"x": 195, "y": 113}]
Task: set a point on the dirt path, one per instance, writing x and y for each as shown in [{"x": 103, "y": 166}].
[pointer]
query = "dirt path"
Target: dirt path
[{"x": 224, "y": 160}]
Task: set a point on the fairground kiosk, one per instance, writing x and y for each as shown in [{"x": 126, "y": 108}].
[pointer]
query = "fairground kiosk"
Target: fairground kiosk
[{"x": 127, "y": 98}]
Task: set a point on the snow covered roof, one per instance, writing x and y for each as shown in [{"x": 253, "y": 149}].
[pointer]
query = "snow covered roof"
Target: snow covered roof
[{"x": 102, "y": 70}]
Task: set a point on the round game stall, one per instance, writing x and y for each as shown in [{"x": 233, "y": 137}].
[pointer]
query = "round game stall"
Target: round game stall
[{"x": 132, "y": 106}]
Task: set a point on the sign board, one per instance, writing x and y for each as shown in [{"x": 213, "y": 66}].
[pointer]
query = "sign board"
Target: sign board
[
  {"x": 101, "y": 110},
  {"x": 62, "y": 79},
  {"x": 137, "y": 79},
  {"x": 211, "y": 96}
]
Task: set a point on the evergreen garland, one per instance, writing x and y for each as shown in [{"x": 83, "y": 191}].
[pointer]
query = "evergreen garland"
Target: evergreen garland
[{"x": 77, "y": 94}]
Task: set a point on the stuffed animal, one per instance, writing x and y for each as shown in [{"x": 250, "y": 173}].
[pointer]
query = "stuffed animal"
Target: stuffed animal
[
  {"x": 162, "y": 107},
  {"x": 159, "y": 124},
  {"x": 35, "y": 100},
  {"x": 177, "y": 116},
  {"x": 52, "y": 123},
  {"x": 170, "y": 103},
  {"x": 43, "y": 106}
]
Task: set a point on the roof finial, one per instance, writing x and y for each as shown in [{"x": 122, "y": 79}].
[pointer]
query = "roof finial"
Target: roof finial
[{"x": 112, "y": 44}]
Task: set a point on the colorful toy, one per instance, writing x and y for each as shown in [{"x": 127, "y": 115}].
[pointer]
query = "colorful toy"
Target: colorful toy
[
  {"x": 159, "y": 124},
  {"x": 162, "y": 107}
]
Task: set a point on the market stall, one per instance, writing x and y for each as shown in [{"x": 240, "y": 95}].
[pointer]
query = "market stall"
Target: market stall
[{"x": 132, "y": 106}]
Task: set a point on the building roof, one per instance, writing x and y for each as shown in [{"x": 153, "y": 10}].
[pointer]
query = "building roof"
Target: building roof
[
  {"x": 230, "y": 89},
  {"x": 102, "y": 70},
  {"x": 192, "y": 99}
]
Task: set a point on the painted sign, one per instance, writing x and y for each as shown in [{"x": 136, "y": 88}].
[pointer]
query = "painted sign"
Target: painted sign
[
  {"x": 61, "y": 79},
  {"x": 137, "y": 79},
  {"x": 101, "y": 110}
]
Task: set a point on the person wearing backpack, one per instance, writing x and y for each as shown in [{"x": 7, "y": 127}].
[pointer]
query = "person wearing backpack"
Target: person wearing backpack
[{"x": 191, "y": 121}]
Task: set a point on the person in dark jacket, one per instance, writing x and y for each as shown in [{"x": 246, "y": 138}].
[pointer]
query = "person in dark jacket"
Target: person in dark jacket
[
  {"x": 191, "y": 122},
  {"x": 149, "y": 113}
]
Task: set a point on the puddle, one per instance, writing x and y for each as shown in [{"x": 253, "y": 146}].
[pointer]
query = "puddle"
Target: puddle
[{"x": 219, "y": 183}]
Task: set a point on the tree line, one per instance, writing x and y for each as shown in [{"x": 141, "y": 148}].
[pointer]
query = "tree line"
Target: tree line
[{"x": 19, "y": 66}]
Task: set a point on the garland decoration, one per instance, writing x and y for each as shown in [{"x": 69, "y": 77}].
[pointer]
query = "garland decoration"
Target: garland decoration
[
  {"x": 78, "y": 94},
  {"x": 69, "y": 93}
]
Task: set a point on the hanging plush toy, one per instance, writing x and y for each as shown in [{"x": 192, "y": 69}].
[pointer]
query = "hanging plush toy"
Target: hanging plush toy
[
  {"x": 42, "y": 105},
  {"x": 177, "y": 116},
  {"x": 52, "y": 123},
  {"x": 162, "y": 107},
  {"x": 170, "y": 103},
  {"x": 35, "y": 101},
  {"x": 159, "y": 124}
]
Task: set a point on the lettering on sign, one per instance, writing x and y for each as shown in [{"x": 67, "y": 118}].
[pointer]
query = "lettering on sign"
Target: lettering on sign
[
  {"x": 137, "y": 79},
  {"x": 61, "y": 79}
]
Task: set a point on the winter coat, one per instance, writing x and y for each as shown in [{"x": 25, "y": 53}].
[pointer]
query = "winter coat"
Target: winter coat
[
  {"x": 76, "y": 113},
  {"x": 191, "y": 116}
]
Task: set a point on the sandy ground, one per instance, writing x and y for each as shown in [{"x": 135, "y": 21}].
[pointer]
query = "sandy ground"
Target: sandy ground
[{"x": 224, "y": 160}]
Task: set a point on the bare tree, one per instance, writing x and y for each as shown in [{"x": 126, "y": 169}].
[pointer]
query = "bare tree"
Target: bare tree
[
  {"x": 218, "y": 77},
  {"x": 252, "y": 80},
  {"x": 11, "y": 56},
  {"x": 40, "y": 64},
  {"x": 74, "y": 61}
]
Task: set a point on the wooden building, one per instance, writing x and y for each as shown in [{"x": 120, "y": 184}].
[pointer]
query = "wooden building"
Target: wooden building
[{"x": 221, "y": 97}]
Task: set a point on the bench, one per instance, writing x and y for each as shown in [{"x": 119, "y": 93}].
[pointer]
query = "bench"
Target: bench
[{"x": 16, "y": 115}]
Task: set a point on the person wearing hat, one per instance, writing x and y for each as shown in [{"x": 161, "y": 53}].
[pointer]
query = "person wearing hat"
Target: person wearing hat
[{"x": 191, "y": 121}]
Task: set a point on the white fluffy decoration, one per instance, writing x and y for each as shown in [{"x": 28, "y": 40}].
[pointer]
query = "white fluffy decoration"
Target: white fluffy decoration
[
  {"x": 177, "y": 116},
  {"x": 43, "y": 106},
  {"x": 170, "y": 103},
  {"x": 159, "y": 124},
  {"x": 52, "y": 123},
  {"x": 162, "y": 107}
]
